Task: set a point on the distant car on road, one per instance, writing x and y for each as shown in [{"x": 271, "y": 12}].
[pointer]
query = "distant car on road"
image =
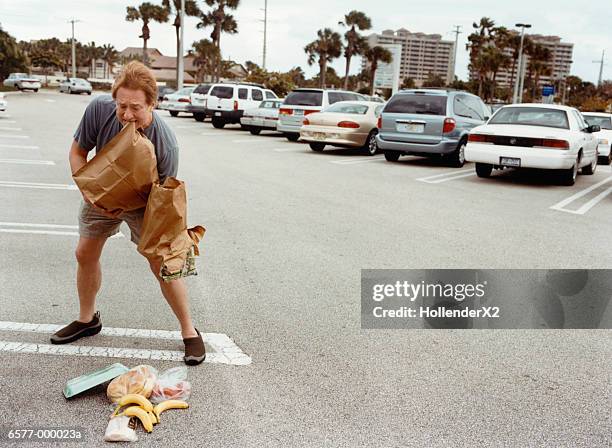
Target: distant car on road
[
  {"x": 226, "y": 102},
  {"x": 75, "y": 85},
  {"x": 178, "y": 101},
  {"x": 199, "y": 98},
  {"x": 543, "y": 136},
  {"x": 604, "y": 121},
  {"x": 161, "y": 91},
  {"x": 429, "y": 122},
  {"x": 347, "y": 124},
  {"x": 3, "y": 102},
  {"x": 21, "y": 81},
  {"x": 264, "y": 117}
]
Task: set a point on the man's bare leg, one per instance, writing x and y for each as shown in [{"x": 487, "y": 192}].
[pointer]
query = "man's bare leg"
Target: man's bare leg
[
  {"x": 175, "y": 293},
  {"x": 89, "y": 275}
]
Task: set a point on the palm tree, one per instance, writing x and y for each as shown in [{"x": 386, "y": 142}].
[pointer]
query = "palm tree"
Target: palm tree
[
  {"x": 327, "y": 47},
  {"x": 206, "y": 55},
  {"x": 480, "y": 38},
  {"x": 375, "y": 55},
  {"x": 146, "y": 12},
  {"x": 111, "y": 57},
  {"x": 539, "y": 65},
  {"x": 174, "y": 7},
  {"x": 355, "y": 43},
  {"x": 91, "y": 52},
  {"x": 221, "y": 21}
]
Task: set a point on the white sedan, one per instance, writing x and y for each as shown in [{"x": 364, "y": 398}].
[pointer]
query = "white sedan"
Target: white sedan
[
  {"x": 604, "y": 121},
  {"x": 177, "y": 101},
  {"x": 542, "y": 136},
  {"x": 264, "y": 117},
  {"x": 2, "y": 102}
]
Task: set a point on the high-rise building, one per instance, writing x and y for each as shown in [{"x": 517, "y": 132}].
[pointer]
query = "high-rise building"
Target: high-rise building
[{"x": 422, "y": 54}]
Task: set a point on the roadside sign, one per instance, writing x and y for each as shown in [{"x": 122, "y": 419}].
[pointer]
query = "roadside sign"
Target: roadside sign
[{"x": 548, "y": 90}]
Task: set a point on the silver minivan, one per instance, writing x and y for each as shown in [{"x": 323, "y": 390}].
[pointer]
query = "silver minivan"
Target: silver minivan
[{"x": 429, "y": 122}]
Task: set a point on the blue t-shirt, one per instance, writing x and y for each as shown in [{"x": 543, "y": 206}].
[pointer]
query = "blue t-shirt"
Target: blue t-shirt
[{"x": 100, "y": 124}]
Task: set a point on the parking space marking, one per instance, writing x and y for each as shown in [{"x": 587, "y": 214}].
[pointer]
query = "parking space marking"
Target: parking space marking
[
  {"x": 14, "y": 136},
  {"x": 294, "y": 148},
  {"x": 8, "y": 121},
  {"x": 10, "y": 129},
  {"x": 445, "y": 177},
  {"x": 357, "y": 161},
  {"x": 224, "y": 350},
  {"x": 27, "y": 227},
  {"x": 250, "y": 140},
  {"x": 27, "y": 162},
  {"x": 560, "y": 206},
  {"x": 15, "y": 184},
  {"x": 18, "y": 146},
  {"x": 214, "y": 133}
]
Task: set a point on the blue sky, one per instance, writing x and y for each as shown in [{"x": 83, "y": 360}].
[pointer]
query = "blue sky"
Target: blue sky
[{"x": 292, "y": 24}]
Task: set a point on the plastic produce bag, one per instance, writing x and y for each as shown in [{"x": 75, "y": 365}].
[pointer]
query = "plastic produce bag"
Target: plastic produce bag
[
  {"x": 171, "y": 384},
  {"x": 121, "y": 429},
  {"x": 139, "y": 380}
]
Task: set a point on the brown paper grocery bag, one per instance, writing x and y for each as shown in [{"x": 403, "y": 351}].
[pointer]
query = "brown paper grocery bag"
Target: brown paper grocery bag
[
  {"x": 165, "y": 237},
  {"x": 119, "y": 177}
]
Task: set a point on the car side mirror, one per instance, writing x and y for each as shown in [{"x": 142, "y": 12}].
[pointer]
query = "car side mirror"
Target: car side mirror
[{"x": 593, "y": 128}]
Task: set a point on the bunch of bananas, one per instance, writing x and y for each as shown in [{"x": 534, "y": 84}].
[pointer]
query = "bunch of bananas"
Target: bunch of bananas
[{"x": 143, "y": 409}]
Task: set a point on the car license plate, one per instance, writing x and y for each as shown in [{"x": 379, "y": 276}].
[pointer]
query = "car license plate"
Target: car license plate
[
  {"x": 319, "y": 135},
  {"x": 415, "y": 128},
  {"x": 298, "y": 112},
  {"x": 510, "y": 161},
  {"x": 217, "y": 114}
]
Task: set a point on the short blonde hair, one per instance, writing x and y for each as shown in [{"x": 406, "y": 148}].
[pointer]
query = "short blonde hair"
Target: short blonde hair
[{"x": 137, "y": 76}]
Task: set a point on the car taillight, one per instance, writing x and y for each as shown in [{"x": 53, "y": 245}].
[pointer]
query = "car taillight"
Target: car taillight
[
  {"x": 305, "y": 121},
  {"x": 477, "y": 138},
  {"x": 283, "y": 111},
  {"x": 184, "y": 100},
  {"x": 306, "y": 112},
  {"x": 551, "y": 143},
  {"x": 379, "y": 122},
  {"x": 449, "y": 125},
  {"x": 348, "y": 124},
  {"x": 235, "y": 105}
]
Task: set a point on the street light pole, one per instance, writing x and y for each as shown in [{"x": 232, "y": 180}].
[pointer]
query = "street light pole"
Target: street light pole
[
  {"x": 179, "y": 57},
  {"x": 457, "y": 31},
  {"x": 518, "y": 80},
  {"x": 265, "y": 34},
  {"x": 73, "y": 21}
]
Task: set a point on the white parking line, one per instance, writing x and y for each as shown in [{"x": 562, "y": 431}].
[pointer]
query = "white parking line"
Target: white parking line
[
  {"x": 13, "y": 136},
  {"x": 7, "y": 121},
  {"x": 11, "y": 129},
  {"x": 68, "y": 230},
  {"x": 445, "y": 177},
  {"x": 560, "y": 206},
  {"x": 15, "y": 184},
  {"x": 294, "y": 148},
  {"x": 214, "y": 133},
  {"x": 356, "y": 161},
  {"x": 224, "y": 350},
  {"x": 251, "y": 140},
  {"x": 19, "y": 146},
  {"x": 27, "y": 162}
]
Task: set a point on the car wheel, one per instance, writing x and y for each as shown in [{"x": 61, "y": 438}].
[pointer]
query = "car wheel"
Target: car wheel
[
  {"x": 218, "y": 123},
  {"x": 88, "y": 93},
  {"x": 318, "y": 147},
  {"x": 605, "y": 160},
  {"x": 457, "y": 157},
  {"x": 484, "y": 169},
  {"x": 255, "y": 130},
  {"x": 590, "y": 168},
  {"x": 35, "y": 90},
  {"x": 568, "y": 176},
  {"x": 392, "y": 156},
  {"x": 292, "y": 137},
  {"x": 371, "y": 146},
  {"x": 173, "y": 113},
  {"x": 199, "y": 116}
]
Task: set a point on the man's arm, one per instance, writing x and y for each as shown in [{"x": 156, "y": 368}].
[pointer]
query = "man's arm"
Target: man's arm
[{"x": 77, "y": 157}]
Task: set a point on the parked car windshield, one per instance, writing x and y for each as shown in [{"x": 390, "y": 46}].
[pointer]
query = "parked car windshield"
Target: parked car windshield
[
  {"x": 417, "y": 104},
  {"x": 602, "y": 122},
  {"x": 269, "y": 105},
  {"x": 304, "y": 98},
  {"x": 347, "y": 108},
  {"x": 531, "y": 116},
  {"x": 222, "y": 92},
  {"x": 185, "y": 91},
  {"x": 202, "y": 89}
]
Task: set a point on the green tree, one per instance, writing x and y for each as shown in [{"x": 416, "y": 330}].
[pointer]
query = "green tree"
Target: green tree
[
  {"x": 408, "y": 83},
  {"x": 434, "y": 80},
  {"x": 174, "y": 7},
  {"x": 297, "y": 76},
  {"x": 375, "y": 55},
  {"x": 206, "y": 56},
  {"x": 110, "y": 56},
  {"x": 91, "y": 52},
  {"x": 325, "y": 49},
  {"x": 539, "y": 65},
  {"x": 12, "y": 58},
  {"x": 355, "y": 43},
  {"x": 146, "y": 12},
  {"x": 477, "y": 41},
  {"x": 221, "y": 21}
]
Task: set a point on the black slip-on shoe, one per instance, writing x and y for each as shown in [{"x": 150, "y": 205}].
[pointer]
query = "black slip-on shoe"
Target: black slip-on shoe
[
  {"x": 77, "y": 330},
  {"x": 195, "y": 353}
]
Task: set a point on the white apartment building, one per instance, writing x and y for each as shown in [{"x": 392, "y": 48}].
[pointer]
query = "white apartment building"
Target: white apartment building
[{"x": 422, "y": 54}]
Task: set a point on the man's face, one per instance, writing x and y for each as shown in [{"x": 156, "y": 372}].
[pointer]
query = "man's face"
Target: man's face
[{"x": 132, "y": 106}]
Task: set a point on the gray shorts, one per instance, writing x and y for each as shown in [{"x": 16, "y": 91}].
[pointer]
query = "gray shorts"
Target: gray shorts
[{"x": 93, "y": 224}]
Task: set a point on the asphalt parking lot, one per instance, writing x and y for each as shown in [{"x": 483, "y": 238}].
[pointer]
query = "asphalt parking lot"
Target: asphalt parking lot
[{"x": 288, "y": 232}]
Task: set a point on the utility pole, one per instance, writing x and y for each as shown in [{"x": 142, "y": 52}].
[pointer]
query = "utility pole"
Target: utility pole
[
  {"x": 179, "y": 57},
  {"x": 456, "y": 31},
  {"x": 601, "y": 66},
  {"x": 73, "y": 21},
  {"x": 518, "y": 83},
  {"x": 265, "y": 34}
]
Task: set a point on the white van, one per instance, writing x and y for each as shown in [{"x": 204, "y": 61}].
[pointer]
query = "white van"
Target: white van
[
  {"x": 226, "y": 102},
  {"x": 198, "y": 101},
  {"x": 302, "y": 102}
]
